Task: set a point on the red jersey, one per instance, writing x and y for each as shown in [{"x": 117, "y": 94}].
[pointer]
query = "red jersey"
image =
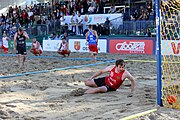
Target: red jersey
[{"x": 114, "y": 79}]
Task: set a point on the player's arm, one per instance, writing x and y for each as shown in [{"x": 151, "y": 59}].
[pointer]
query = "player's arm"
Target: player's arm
[
  {"x": 38, "y": 45},
  {"x": 131, "y": 78},
  {"x": 96, "y": 36},
  {"x": 15, "y": 36},
  {"x": 87, "y": 36},
  {"x": 67, "y": 46},
  {"x": 107, "y": 69},
  {"x": 7, "y": 38},
  {"x": 26, "y": 35}
]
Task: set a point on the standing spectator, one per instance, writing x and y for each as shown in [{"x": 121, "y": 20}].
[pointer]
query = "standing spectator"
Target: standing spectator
[
  {"x": 73, "y": 22},
  {"x": 25, "y": 17},
  {"x": 39, "y": 23},
  {"x": 31, "y": 17},
  {"x": 81, "y": 9},
  {"x": 112, "y": 9},
  {"x": 91, "y": 9},
  {"x": 106, "y": 26},
  {"x": 62, "y": 24},
  {"x": 99, "y": 9},
  {"x": 80, "y": 24}
]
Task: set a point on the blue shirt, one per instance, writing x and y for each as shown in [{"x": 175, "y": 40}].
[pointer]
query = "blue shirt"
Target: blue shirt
[{"x": 91, "y": 38}]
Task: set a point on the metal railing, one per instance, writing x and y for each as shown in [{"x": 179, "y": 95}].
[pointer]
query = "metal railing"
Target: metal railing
[
  {"x": 133, "y": 28},
  {"x": 126, "y": 28}
]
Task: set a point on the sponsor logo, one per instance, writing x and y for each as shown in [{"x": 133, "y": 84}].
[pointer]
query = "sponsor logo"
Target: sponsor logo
[
  {"x": 98, "y": 18},
  {"x": 77, "y": 45},
  {"x": 176, "y": 49},
  {"x": 132, "y": 47}
]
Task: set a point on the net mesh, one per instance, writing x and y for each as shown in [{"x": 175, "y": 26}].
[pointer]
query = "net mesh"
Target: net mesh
[{"x": 170, "y": 50}]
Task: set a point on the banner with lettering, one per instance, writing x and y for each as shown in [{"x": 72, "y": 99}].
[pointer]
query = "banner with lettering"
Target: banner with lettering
[{"x": 170, "y": 47}]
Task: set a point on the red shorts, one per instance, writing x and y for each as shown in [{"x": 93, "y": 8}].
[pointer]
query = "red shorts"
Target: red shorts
[
  {"x": 93, "y": 48},
  {"x": 5, "y": 49},
  {"x": 63, "y": 52},
  {"x": 36, "y": 51}
]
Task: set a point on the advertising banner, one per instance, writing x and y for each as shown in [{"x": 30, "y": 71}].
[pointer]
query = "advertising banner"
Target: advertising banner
[
  {"x": 97, "y": 18},
  {"x": 131, "y": 46},
  {"x": 170, "y": 47},
  {"x": 80, "y": 45},
  {"x": 51, "y": 45}
]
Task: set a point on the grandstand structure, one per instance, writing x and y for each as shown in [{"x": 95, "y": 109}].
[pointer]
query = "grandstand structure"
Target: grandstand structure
[{"x": 138, "y": 16}]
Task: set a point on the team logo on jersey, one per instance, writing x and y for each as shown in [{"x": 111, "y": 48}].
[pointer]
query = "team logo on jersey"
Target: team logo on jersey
[
  {"x": 77, "y": 45},
  {"x": 117, "y": 77}
]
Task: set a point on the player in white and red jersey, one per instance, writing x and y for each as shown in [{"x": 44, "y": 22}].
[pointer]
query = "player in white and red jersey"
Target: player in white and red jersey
[
  {"x": 111, "y": 82},
  {"x": 36, "y": 48},
  {"x": 63, "y": 49},
  {"x": 5, "y": 43}
]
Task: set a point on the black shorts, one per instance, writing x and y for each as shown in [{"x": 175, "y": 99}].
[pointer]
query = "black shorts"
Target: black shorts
[
  {"x": 21, "y": 50},
  {"x": 101, "y": 82}
]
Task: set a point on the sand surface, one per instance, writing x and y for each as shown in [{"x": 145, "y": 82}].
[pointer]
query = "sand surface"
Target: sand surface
[{"x": 58, "y": 94}]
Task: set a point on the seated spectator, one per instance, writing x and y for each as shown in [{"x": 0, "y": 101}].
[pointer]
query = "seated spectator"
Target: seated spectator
[
  {"x": 52, "y": 36},
  {"x": 63, "y": 49},
  {"x": 36, "y": 48},
  {"x": 112, "y": 9},
  {"x": 57, "y": 37},
  {"x": 143, "y": 16}
]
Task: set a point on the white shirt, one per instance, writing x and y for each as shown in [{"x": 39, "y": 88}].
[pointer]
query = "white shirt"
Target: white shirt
[
  {"x": 5, "y": 42},
  {"x": 35, "y": 46},
  {"x": 62, "y": 19},
  {"x": 80, "y": 19}
]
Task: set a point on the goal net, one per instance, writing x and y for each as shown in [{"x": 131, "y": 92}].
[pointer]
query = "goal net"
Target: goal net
[{"x": 169, "y": 35}]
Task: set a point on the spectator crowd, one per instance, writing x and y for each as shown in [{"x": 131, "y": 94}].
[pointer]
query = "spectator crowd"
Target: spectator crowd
[{"x": 52, "y": 16}]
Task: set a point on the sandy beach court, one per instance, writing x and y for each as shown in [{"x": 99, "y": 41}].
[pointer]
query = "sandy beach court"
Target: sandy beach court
[{"x": 58, "y": 94}]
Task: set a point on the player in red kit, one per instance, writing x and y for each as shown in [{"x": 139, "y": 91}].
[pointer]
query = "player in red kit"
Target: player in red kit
[
  {"x": 64, "y": 49},
  {"x": 111, "y": 82},
  {"x": 36, "y": 48}
]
